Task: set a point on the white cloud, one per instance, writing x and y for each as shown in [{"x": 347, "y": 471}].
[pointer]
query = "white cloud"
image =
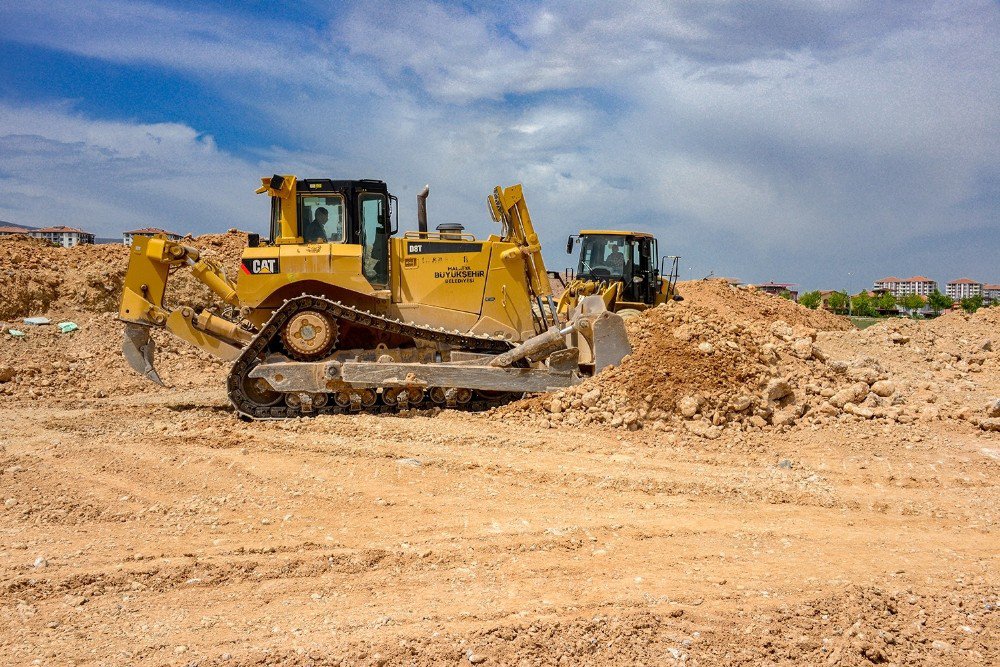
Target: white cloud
[{"x": 105, "y": 176}]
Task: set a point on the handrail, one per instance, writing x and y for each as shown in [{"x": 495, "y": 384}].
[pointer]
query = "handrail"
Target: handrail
[{"x": 440, "y": 236}]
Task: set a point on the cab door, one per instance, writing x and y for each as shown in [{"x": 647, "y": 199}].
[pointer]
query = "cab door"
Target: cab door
[{"x": 373, "y": 237}]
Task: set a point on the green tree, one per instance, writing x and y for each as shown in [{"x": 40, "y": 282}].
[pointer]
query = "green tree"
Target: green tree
[
  {"x": 837, "y": 302},
  {"x": 912, "y": 303},
  {"x": 939, "y": 302},
  {"x": 811, "y": 299},
  {"x": 863, "y": 305},
  {"x": 885, "y": 301},
  {"x": 785, "y": 294},
  {"x": 972, "y": 304}
]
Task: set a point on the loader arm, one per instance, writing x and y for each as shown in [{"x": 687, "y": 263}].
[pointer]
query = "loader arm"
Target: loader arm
[{"x": 151, "y": 261}]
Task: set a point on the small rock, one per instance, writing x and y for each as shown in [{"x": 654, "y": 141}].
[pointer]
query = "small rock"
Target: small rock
[
  {"x": 6, "y": 373},
  {"x": 863, "y": 374},
  {"x": 777, "y": 389},
  {"x": 859, "y": 411},
  {"x": 986, "y": 345},
  {"x": 555, "y": 406},
  {"x": 742, "y": 402},
  {"x": 993, "y": 408},
  {"x": 884, "y": 388},
  {"x": 939, "y": 645},
  {"x": 180, "y": 649},
  {"x": 784, "y": 417},
  {"x": 780, "y": 329},
  {"x": 992, "y": 425},
  {"x": 591, "y": 398},
  {"x": 802, "y": 348},
  {"x": 707, "y": 348},
  {"x": 785, "y": 463},
  {"x": 41, "y": 562},
  {"x": 898, "y": 338},
  {"x": 856, "y": 393},
  {"x": 75, "y": 600},
  {"x": 475, "y": 658},
  {"x": 688, "y": 406}
]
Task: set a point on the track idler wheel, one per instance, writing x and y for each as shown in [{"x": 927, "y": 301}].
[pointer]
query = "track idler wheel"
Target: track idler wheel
[
  {"x": 309, "y": 335},
  {"x": 260, "y": 392}
]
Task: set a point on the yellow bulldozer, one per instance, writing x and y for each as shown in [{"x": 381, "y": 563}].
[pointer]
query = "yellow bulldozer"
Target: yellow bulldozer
[
  {"x": 335, "y": 312},
  {"x": 623, "y": 269}
]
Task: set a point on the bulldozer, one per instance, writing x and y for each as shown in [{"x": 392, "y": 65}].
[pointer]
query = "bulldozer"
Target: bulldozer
[
  {"x": 621, "y": 268},
  {"x": 335, "y": 311}
]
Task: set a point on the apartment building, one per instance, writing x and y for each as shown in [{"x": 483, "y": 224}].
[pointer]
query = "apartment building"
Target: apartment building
[
  {"x": 67, "y": 237},
  {"x": 900, "y": 287},
  {"x": 963, "y": 288},
  {"x": 991, "y": 294},
  {"x": 148, "y": 231}
]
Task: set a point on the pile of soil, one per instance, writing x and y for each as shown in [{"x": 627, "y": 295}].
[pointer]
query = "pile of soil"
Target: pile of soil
[
  {"x": 88, "y": 363},
  {"x": 730, "y": 357},
  {"x": 38, "y": 277}
]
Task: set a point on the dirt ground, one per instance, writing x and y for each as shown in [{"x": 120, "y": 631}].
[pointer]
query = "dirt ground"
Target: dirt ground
[{"x": 146, "y": 525}]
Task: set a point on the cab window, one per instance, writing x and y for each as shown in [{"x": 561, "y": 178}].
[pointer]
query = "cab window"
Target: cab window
[
  {"x": 321, "y": 218},
  {"x": 604, "y": 256}
]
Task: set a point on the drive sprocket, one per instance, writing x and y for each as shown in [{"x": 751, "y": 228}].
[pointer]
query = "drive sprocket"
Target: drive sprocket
[{"x": 309, "y": 335}]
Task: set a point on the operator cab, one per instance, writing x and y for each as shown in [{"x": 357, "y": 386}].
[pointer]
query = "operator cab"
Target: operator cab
[
  {"x": 340, "y": 212},
  {"x": 626, "y": 257}
]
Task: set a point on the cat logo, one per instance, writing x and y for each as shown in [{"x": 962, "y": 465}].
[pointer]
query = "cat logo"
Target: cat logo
[{"x": 257, "y": 266}]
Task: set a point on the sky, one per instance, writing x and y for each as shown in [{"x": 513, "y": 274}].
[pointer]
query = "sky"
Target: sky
[{"x": 825, "y": 143}]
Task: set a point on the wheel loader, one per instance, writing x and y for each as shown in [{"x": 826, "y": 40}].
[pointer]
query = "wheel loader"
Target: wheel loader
[
  {"x": 620, "y": 268},
  {"x": 336, "y": 312}
]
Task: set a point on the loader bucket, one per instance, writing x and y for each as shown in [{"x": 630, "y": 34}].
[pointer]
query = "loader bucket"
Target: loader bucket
[
  {"x": 605, "y": 332},
  {"x": 610, "y": 340},
  {"x": 138, "y": 349}
]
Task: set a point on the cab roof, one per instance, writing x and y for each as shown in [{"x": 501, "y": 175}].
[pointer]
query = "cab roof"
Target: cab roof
[{"x": 614, "y": 232}]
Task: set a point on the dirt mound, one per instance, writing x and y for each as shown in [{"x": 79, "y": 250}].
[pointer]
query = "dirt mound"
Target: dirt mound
[
  {"x": 751, "y": 305},
  {"x": 88, "y": 363},
  {"x": 39, "y": 277},
  {"x": 720, "y": 360}
]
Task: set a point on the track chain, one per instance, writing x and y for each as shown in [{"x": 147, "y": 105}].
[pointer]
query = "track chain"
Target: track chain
[{"x": 252, "y": 353}]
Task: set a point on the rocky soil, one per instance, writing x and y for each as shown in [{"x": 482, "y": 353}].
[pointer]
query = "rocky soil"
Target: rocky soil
[{"x": 756, "y": 484}]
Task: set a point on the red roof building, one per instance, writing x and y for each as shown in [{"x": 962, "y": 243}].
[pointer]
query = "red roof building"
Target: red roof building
[{"x": 964, "y": 288}]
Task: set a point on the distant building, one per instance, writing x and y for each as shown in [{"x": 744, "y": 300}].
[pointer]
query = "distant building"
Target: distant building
[
  {"x": 899, "y": 287},
  {"x": 991, "y": 294},
  {"x": 10, "y": 229},
  {"x": 148, "y": 231},
  {"x": 963, "y": 288},
  {"x": 824, "y": 297},
  {"x": 778, "y": 289},
  {"x": 67, "y": 237}
]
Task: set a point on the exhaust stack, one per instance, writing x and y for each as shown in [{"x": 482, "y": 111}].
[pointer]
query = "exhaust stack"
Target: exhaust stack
[{"x": 422, "y": 209}]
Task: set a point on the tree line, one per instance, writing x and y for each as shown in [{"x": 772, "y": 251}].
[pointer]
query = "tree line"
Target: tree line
[{"x": 866, "y": 305}]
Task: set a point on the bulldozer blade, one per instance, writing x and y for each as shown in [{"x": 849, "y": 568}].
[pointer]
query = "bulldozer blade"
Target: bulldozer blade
[
  {"x": 610, "y": 340},
  {"x": 138, "y": 349}
]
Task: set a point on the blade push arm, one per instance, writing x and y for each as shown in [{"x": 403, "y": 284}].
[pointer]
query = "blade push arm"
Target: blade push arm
[
  {"x": 149, "y": 265},
  {"x": 151, "y": 261},
  {"x": 507, "y": 205}
]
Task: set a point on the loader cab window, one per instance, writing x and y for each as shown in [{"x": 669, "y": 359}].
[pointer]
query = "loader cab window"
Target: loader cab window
[
  {"x": 373, "y": 237},
  {"x": 321, "y": 218},
  {"x": 605, "y": 256}
]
